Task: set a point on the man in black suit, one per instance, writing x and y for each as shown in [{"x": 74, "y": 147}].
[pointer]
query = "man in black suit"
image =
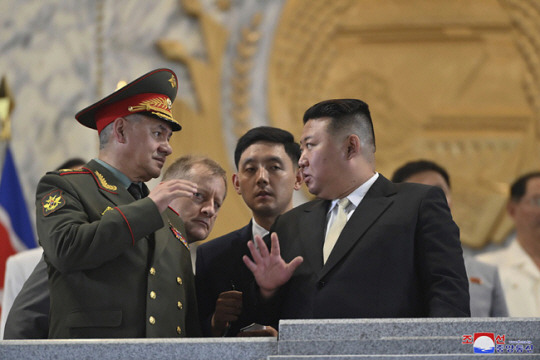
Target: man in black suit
[
  {"x": 29, "y": 315},
  {"x": 366, "y": 248},
  {"x": 267, "y": 174}
]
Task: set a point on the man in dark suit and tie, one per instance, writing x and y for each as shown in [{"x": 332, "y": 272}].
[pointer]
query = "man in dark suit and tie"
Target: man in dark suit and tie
[
  {"x": 267, "y": 174},
  {"x": 398, "y": 254}
]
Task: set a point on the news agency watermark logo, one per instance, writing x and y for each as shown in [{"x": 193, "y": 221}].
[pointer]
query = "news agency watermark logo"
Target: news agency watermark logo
[{"x": 489, "y": 343}]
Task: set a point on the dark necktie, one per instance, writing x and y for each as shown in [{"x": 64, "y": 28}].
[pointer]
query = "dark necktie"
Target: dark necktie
[{"x": 135, "y": 191}]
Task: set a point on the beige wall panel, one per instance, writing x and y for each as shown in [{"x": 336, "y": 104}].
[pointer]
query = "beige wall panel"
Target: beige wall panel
[{"x": 450, "y": 81}]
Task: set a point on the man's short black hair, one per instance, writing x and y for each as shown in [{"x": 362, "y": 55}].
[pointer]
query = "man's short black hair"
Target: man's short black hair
[
  {"x": 415, "y": 167},
  {"x": 350, "y": 114},
  {"x": 519, "y": 187},
  {"x": 271, "y": 135}
]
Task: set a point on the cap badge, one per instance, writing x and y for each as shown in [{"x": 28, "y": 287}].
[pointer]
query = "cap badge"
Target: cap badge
[
  {"x": 159, "y": 104},
  {"x": 52, "y": 202},
  {"x": 178, "y": 235},
  {"x": 172, "y": 80}
]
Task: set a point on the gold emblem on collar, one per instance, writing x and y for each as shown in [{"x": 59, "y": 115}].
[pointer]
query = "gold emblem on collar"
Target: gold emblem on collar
[{"x": 104, "y": 182}]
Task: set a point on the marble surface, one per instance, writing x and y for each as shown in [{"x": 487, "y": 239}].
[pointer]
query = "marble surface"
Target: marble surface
[
  {"x": 402, "y": 336},
  {"x": 334, "y": 339},
  {"x": 401, "y": 357},
  {"x": 188, "y": 349},
  {"x": 368, "y": 329}
]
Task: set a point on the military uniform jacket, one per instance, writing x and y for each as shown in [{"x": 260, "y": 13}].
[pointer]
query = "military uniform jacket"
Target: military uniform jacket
[{"x": 117, "y": 267}]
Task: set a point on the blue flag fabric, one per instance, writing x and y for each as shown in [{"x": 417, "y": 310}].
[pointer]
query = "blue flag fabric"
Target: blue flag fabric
[{"x": 13, "y": 203}]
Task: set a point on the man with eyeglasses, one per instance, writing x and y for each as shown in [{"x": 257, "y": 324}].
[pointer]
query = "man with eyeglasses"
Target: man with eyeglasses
[{"x": 519, "y": 263}]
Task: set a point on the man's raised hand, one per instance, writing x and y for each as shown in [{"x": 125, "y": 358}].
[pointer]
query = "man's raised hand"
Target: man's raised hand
[{"x": 269, "y": 268}]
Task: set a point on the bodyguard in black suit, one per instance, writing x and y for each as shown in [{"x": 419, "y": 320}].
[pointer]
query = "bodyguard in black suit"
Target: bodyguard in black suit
[
  {"x": 267, "y": 174},
  {"x": 398, "y": 254}
]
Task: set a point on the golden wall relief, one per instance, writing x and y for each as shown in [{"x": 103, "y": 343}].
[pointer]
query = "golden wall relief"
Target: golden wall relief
[
  {"x": 455, "y": 81},
  {"x": 201, "y": 132},
  {"x": 451, "y": 81}
]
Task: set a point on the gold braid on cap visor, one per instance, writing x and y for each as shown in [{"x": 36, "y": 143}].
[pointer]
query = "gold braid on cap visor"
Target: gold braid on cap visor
[{"x": 157, "y": 106}]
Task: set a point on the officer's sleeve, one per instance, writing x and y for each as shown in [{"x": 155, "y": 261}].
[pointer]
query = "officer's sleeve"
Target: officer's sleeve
[{"x": 77, "y": 236}]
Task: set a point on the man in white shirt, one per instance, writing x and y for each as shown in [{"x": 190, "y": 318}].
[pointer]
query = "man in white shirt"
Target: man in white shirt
[{"x": 519, "y": 263}]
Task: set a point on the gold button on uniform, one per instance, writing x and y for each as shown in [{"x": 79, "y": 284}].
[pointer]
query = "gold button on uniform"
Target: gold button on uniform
[
  {"x": 152, "y": 294},
  {"x": 178, "y": 330},
  {"x": 179, "y": 304},
  {"x": 152, "y": 320},
  {"x": 179, "y": 280},
  {"x": 152, "y": 271}
]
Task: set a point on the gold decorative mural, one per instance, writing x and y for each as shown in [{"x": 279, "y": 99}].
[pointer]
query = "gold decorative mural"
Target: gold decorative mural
[{"x": 454, "y": 81}]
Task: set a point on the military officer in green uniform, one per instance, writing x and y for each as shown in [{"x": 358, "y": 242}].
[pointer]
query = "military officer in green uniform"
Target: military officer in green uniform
[{"x": 118, "y": 262}]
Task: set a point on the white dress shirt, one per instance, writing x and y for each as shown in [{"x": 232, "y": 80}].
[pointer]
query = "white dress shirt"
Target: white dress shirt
[{"x": 355, "y": 198}]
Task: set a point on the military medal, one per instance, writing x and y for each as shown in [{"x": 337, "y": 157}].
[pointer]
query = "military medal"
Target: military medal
[{"x": 178, "y": 235}]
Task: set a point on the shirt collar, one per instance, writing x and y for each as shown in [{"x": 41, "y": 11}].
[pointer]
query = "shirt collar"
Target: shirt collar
[
  {"x": 123, "y": 179},
  {"x": 357, "y": 195},
  {"x": 257, "y": 229}
]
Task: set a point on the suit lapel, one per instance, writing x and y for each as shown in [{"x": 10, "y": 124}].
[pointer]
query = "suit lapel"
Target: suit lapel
[
  {"x": 313, "y": 223},
  {"x": 239, "y": 249},
  {"x": 240, "y": 243},
  {"x": 374, "y": 204}
]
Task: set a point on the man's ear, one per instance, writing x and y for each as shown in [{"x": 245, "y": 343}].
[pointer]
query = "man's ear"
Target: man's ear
[
  {"x": 119, "y": 129},
  {"x": 236, "y": 183},
  {"x": 353, "y": 146},
  {"x": 299, "y": 179}
]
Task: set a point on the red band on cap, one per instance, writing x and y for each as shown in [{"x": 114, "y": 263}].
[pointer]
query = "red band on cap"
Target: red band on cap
[{"x": 158, "y": 104}]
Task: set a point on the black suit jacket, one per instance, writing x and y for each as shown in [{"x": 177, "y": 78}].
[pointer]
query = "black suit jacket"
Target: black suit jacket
[
  {"x": 398, "y": 256},
  {"x": 219, "y": 267},
  {"x": 117, "y": 267}
]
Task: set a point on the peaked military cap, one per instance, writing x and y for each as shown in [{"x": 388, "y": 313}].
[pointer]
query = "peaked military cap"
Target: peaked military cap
[{"x": 152, "y": 93}]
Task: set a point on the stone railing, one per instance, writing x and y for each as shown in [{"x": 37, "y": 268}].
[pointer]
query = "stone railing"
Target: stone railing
[{"x": 442, "y": 338}]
